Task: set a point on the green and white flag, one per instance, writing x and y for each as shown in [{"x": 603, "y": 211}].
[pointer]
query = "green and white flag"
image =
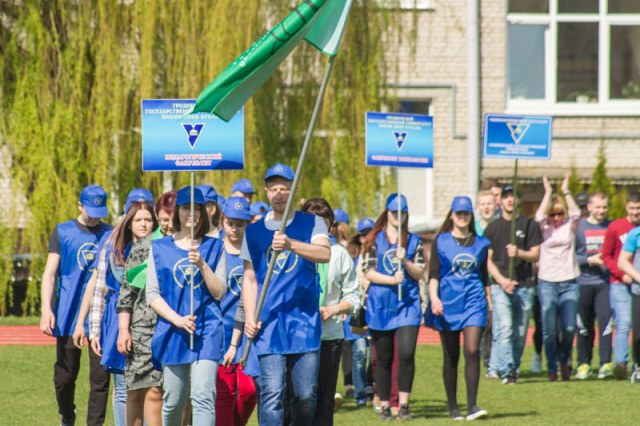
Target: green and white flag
[{"x": 320, "y": 22}]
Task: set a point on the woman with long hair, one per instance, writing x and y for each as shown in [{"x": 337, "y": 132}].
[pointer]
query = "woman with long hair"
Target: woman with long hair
[
  {"x": 394, "y": 322},
  {"x": 212, "y": 206},
  {"x": 176, "y": 268},
  {"x": 558, "y": 270},
  {"x": 458, "y": 295},
  {"x": 137, "y": 323}
]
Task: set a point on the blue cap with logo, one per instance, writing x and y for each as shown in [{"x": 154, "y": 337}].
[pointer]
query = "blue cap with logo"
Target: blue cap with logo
[
  {"x": 94, "y": 200},
  {"x": 259, "y": 208},
  {"x": 209, "y": 193},
  {"x": 461, "y": 204},
  {"x": 184, "y": 196},
  {"x": 243, "y": 185},
  {"x": 138, "y": 195},
  {"x": 221, "y": 200},
  {"x": 392, "y": 203},
  {"x": 280, "y": 170},
  {"x": 364, "y": 225},
  {"x": 237, "y": 208},
  {"x": 340, "y": 215}
]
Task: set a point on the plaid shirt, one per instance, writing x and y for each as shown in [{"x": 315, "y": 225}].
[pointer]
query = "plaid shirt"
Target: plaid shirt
[{"x": 96, "y": 309}]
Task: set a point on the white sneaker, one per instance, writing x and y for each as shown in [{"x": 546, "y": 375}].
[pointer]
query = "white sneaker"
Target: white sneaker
[
  {"x": 492, "y": 375},
  {"x": 337, "y": 402},
  {"x": 635, "y": 375},
  {"x": 536, "y": 363}
]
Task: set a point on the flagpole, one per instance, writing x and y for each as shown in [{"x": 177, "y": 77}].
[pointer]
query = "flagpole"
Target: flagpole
[
  {"x": 514, "y": 213},
  {"x": 399, "y": 199},
  {"x": 191, "y": 269},
  {"x": 292, "y": 194}
]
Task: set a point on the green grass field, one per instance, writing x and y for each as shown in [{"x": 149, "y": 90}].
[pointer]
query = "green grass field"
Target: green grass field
[{"x": 27, "y": 396}]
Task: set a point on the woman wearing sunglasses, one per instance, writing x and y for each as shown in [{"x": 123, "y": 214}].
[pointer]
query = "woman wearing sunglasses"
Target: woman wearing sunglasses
[{"x": 558, "y": 271}]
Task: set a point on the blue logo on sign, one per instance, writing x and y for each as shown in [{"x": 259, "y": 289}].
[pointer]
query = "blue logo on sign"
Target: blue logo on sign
[
  {"x": 400, "y": 138},
  {"x": 193, "y": 132}
]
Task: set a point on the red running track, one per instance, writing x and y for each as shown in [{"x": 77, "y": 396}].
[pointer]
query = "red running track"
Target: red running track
[{"x": 30, "y": 335}]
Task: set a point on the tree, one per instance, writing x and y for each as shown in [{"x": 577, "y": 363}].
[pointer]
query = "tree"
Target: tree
[
  {"x": 74, "y": 73},
  {"x": 600, "y": 182}
]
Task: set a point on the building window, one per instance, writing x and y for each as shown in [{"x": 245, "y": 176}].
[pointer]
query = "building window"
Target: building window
[{"x": 573, "y": 56}]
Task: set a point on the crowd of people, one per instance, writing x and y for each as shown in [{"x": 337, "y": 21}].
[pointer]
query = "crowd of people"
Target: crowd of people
[{"x": 167, "y": 300}]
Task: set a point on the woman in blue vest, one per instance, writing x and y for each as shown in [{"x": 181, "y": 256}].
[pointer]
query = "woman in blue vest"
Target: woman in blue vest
[
  {"x": 392, "y": 320},
  {"x": 458, "y": 296},
  {"x": 174, "y": 265},
  {"x": 236, "y": 397}
]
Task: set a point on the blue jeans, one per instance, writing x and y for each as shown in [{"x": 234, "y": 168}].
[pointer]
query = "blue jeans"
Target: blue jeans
[
  {"x": 620, "y": 295},
  {"x": 511, "y": 313},
  {"x": 203, "y": 392},
  {"x": 558, "y": 299},
  {"x": 119, "y": 400},
  {"x": 303, "y": 372},
  {"x": 358, "y": 368}
]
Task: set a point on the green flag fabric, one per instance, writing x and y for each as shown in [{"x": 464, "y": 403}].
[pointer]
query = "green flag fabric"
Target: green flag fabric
[
  {"x": 137, "y": 276},
  {"x": 322, "y": 20}
]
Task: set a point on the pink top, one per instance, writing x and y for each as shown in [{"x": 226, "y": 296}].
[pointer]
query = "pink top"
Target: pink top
[{"x": 558, "y": 260}]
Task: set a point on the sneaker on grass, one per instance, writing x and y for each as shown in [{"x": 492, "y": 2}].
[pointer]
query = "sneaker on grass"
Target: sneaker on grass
[
  {"x": 455, "y": 414},
  {"x": 385, "y": 414},
  {"x": 337, "y": 402},
  {"x": 536, "y": 363},
  {"x": 635, "y": 375},
  {"x": 606, "y": 371},
  {"x": 620, "y": 371},
  {"x": 476, "y": 413},
  {"x": 492, "y": 375},
  {"x": 583, "y": 372}
]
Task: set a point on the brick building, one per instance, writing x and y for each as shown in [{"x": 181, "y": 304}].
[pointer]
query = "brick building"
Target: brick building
[{"x": 578, "y": 61}]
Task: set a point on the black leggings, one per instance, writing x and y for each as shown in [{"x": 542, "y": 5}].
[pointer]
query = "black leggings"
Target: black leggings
[
  {"x": 635, "y": 325},
  {"x": 594, "y": 303},
  {"x": 406, "y": 338},
  {"x": 451, "y": 349}
]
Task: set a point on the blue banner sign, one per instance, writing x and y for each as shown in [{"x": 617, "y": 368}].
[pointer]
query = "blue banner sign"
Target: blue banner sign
[
  {"x": 399, "y": 140},
  {"x": 517, "y": 137},
  {"x": 172, "y": 140}
]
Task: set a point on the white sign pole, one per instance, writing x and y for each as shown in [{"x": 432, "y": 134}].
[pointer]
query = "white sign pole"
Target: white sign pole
[
  {"x": 191, "y": 268},
  {"x": 399, "y": 199}
]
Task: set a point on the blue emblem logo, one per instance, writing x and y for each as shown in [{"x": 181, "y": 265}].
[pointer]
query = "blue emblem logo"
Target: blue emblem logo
[
  {"x": 193, "y": 132},
  {"x": 463, "y": 265},
  {"x": 517, "y": 130},
  {"x": 234, "y": 280},
  {"x": 86, "y": 255},
  {"x": 184, "y": 271},
  {"x": 281, "y": 261},
  {"x": 400, "y": 138},
  {"x": 390, "y": 262}
]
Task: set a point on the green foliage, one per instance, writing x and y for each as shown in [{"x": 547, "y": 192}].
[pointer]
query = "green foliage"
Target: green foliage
[
  {"x": 74, "y": 74},
  {"x": 617, "y": 204},
  {"x": 600, "y": 182},
  {"x": 575, "y": 186}
]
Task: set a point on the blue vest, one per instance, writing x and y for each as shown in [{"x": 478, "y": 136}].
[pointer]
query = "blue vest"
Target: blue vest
[
  {"x": 78, "y": 251},
  {"x": 384, "y": 310},
  {"x": 113, "y": 360},
  {"x": 290, "y": 316},
  {"x": 169, "y": 344},
  {"x": 461, "y": 289},
  {"x": 228, "y": 305}
]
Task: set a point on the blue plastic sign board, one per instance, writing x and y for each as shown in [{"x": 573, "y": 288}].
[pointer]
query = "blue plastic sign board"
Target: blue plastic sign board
[
  {"x": 517, "y": 137},
  {"x": 172, "y": 140},
  {"x": 399, "y": 140}
]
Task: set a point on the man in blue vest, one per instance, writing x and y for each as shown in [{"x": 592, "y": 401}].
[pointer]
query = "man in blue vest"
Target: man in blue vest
[
  {"x": 287, "y": 334},
  {"x": 72, "y": 250}
]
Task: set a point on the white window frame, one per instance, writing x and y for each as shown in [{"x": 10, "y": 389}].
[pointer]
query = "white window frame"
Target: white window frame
[{"x": 604, "y": 106}]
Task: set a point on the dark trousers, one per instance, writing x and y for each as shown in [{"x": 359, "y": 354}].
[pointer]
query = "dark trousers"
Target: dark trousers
[
  {"x": 401, "y": 344},
  {"x": 347, "y": 363},
  {"x": 635, "y": 328},
  {"x": 594, "y": 303},
  {"x": 65, "y": 373},
  {"x": 485, "y": 344},
  {"x": 330, "y": 352}
]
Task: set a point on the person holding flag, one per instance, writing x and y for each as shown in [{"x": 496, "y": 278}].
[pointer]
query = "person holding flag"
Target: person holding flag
[
  {"x": 174, "y": 265},
  {"x": 236, "y": 393},
  {"x": 287, "y": 333},
  {"x": 394, "y": 323},
  {"x": 72, "y": 252}
]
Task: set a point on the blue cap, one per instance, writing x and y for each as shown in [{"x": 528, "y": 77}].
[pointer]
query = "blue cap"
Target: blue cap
[
  {"x": 461, "y": 204},
  {"x": 94, "y": 200},
  {"x": 340, "y": 215},
  {"x": 209, "y": 193},
  {"x": 138, "y": 195},
  {"x": 392, "y": 202},
  {"x": 280, "y": 170},
  {"x": 364, "y": 225},
  {"x": 221, "y": 200},
  {"x": 237, "y": 208},
  {"x": 243, "y": 185},
  {"x": 259, "y": 208},
  {"x": 184, "y": 196}
]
